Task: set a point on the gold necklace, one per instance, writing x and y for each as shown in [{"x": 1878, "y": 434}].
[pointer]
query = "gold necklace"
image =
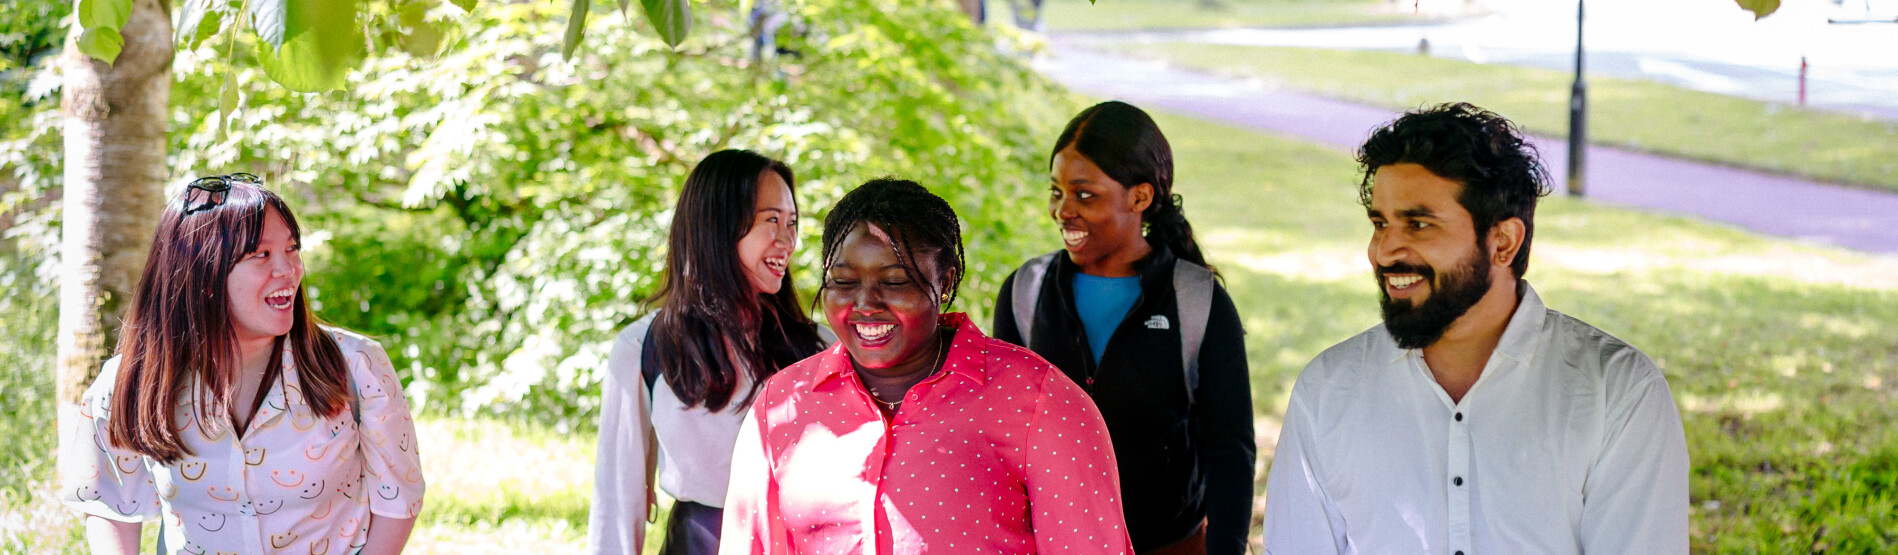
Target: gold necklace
[{"x": 933, "y": 368}]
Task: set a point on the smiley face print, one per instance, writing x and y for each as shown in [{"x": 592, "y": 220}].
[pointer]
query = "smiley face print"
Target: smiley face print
[
  {"x": 192, "y": 471},
  {"x": 211, "y": 522}
]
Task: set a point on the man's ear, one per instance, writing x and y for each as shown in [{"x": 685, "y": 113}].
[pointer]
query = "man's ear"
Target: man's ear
[
  {"x": 1141, "y": 196},
  {"x": 1505, "y": 240}
]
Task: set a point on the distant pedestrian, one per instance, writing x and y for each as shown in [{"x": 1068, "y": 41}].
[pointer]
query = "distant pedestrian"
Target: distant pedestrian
[
  {"x": 231, "y": 414},
  {"x": 1131, "y": 312},
  {"x": 680, "y": 379},
  {"x": 1474, "y": 419},
  {"x": 917, "y": 434}
]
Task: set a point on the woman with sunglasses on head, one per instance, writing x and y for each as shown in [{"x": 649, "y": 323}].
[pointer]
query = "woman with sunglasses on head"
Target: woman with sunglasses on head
[
  {"x": 230, "y": 412},
  {"x": 681, "y": 378},
  {"x": 916, "y": 433},
  {"x": 1140, "y": 321}
]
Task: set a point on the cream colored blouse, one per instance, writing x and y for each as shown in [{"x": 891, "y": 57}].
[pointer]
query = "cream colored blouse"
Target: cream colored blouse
[{"x": 296, "y": 482}]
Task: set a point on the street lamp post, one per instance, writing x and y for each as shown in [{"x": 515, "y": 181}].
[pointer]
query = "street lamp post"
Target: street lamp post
[{"x": 1577, "y": 116}]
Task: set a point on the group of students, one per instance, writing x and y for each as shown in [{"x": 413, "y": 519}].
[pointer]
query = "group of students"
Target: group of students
[{"x": 1109, "y": 412}]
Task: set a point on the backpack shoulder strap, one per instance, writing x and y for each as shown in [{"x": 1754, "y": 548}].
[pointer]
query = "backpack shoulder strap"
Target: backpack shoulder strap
[
  {"x": 1026, "y": 292},
  {"x": 1193, "y": 288},
  {"x": 648, "y": 362}
]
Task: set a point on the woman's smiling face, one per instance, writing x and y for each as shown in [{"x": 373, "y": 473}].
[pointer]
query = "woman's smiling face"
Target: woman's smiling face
[
  {"x": 765, "y": 251},
  {"x": 884, "y": 316},
  {"x": 264, "y": 285},
  {"x": 1099, "y": 216}
]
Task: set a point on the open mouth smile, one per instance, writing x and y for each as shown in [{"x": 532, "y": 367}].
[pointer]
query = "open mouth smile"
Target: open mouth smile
[
  {"x": 281, "y": 298},
  {"x": 873, "y": 334},
  {"x": 1402, "y": 285},
  {"x": 776, "y": 264},
  {"x": 1073, "y": 238}
]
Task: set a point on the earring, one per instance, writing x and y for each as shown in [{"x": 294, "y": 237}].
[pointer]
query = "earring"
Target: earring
[{"x": 945, "y": 298}]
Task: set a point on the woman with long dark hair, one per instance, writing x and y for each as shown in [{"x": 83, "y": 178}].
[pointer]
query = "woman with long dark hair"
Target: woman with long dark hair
[
  {"x": 681, "y": 378},
  {"x": 230, "y": 411},
  {"x": 1130, "y": 310},
  {"x": 916, "y": 433}
]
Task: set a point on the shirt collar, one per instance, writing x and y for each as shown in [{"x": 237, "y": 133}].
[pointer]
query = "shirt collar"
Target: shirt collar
[
  {"x": 1525, "y": 326},
  {"x": 1520, "y": 336},
  {"x": 1157, "y": 266},
  {"x": 967, "y": 355}
]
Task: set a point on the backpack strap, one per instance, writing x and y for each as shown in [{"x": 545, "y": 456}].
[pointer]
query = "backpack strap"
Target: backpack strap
[
  {"x": 648, "y": 362},
  {"x": 1193, "y": 288},
  {"x": 1027, "y": 292}
]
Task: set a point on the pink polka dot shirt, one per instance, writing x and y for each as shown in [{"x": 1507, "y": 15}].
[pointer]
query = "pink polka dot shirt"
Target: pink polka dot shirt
[{"x": 997, "y": 453}]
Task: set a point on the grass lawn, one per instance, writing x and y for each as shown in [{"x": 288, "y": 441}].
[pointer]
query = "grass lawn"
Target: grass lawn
[
  {"x": 1782, "y": 356},
  {"x": 1128, "y": 15},
  {"x": 1640, "y": 115}
]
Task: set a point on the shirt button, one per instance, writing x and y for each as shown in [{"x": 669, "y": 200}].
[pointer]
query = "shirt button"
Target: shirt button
[
  {"x": 1457, "y": 480},
  {"x": 1459, "y": 417}
]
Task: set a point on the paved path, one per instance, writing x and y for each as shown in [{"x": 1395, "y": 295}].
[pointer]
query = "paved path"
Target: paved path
[{"x": 1769, "y": 204}]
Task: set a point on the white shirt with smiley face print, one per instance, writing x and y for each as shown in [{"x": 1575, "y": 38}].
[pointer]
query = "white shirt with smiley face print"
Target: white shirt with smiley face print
[{"x": 296, "y": 482}]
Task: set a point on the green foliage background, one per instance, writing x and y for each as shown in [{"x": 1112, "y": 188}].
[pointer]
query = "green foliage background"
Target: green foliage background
[{"x": 494, "y": 214}]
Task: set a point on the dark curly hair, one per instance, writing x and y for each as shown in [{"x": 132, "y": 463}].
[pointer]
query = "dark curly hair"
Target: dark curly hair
[
  {"x": 1501, "y": 173},
  {"x": 916, "y": 220}
]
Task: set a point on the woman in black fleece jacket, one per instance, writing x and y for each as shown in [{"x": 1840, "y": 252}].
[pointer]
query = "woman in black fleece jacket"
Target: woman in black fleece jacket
[{"x": 1107, "y": 313}]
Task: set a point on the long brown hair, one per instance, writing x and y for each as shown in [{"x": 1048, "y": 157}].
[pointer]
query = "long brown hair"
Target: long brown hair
[
  {"x": 711, "y": 324},
  {"x": 179, "y": 325}
]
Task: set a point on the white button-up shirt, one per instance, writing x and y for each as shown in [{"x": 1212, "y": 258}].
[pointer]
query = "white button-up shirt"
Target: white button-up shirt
[{"x": 1569, "y": 442}]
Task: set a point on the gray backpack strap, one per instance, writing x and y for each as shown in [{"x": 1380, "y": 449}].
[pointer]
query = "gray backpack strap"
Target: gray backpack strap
[
  {"x": 1193, "y": 288},
  {"x": 1027, "y": 292}
]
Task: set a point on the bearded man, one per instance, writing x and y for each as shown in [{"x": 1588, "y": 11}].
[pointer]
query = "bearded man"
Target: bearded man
[{"x": 1475, "y": 419}]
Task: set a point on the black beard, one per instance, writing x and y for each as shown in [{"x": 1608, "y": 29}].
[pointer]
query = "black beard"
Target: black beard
[{"x": 1416, "y": 327}]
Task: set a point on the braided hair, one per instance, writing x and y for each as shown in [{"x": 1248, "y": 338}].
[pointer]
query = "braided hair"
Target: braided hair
[
  {"x": 1126, "y": 144},
  {"x": 917, "y": 222}
]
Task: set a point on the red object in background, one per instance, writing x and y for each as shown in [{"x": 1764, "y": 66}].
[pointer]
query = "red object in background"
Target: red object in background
[{"x": 1802, "y": 80}]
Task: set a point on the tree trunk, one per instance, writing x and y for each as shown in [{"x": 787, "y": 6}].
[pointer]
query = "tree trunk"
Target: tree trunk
[
  {"x": 113, "y": 118},
  {"x": 974, "y": 9}
]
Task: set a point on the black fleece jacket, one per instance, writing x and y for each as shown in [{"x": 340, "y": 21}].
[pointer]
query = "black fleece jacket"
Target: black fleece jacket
[{"x": 1178, "y": 464}]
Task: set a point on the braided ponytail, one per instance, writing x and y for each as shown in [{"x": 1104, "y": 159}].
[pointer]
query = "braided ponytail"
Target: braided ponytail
[{"x": 1126, "y": 144}]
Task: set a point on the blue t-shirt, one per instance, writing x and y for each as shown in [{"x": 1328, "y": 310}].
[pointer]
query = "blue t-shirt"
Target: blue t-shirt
[{"x": 1102, "y": 303}]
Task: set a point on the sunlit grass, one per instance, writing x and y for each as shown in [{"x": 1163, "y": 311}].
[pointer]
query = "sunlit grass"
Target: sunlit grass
[
  {"x": 499, "y": 487},
  {"x": 1116, "y": 15},
  {"x": 1640, "y": 115},
  {"x": 1782, "y": 356}
]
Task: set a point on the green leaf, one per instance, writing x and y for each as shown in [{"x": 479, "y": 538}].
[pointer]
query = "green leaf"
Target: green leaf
[
  {"x": 102, "y": 43},
  {"x": 576, "y": 28},
  {"x": 1760, "y": 8},
  {"x": 466, "y": 5},
  {"x": 107, "y": 14},
  {"x": 226, "y": 103},
  {"x": 197, "y": 21},
  {"x": 424, "y": 40},
  {"x": 671, "y": 18},
  {"x": 321, "y": 43},
  {"x": 267, "y": 17}
]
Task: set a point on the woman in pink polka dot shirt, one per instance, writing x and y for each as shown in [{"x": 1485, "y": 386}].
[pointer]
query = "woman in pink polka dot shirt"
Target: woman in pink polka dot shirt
[{"x": 916, "y": 433}]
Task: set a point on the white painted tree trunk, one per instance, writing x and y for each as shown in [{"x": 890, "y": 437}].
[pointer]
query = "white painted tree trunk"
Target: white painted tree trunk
[{"x": 113, "y": 188}]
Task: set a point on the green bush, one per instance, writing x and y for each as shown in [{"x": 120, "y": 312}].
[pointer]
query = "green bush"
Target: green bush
[{"x": 495, "y": 214}]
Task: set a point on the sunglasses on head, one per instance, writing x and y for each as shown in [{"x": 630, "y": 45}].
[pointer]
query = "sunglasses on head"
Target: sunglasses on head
[{"x": 205, "y": 193}]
